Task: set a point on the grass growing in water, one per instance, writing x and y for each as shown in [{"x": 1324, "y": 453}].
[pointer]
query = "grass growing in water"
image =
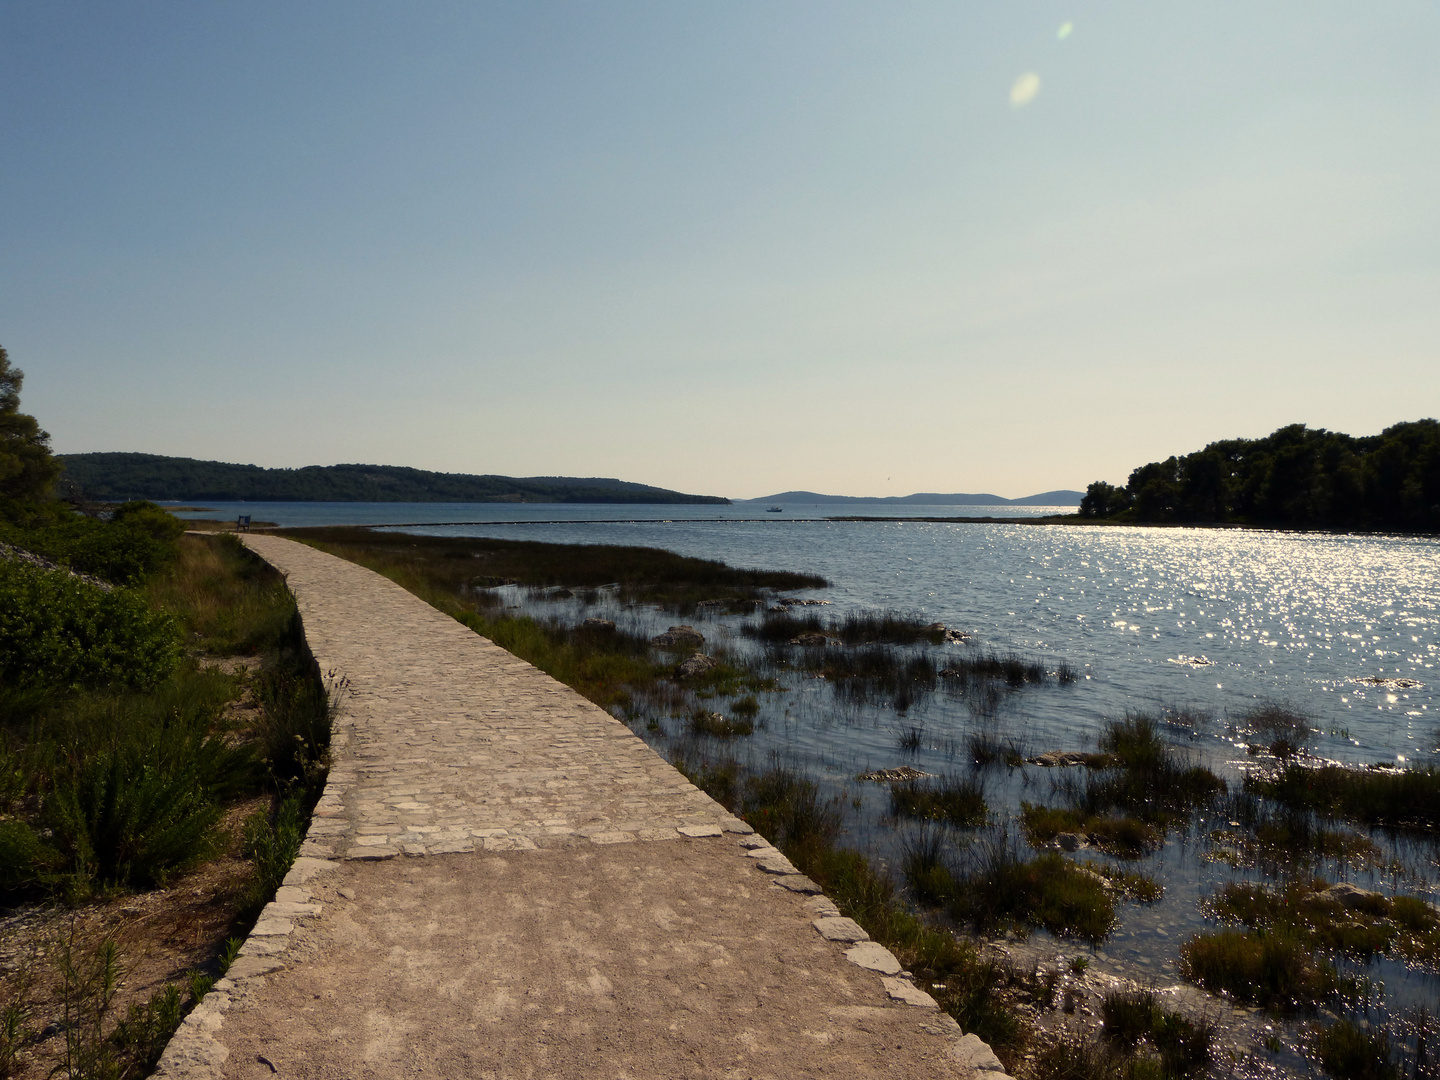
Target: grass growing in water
[
  {"x": 1127, "y": 837},
  {"x": 955, "y": 800},
  {"x": 856, "y": 628},
  {"x": 1350, "y": 1052},
  {"x": 1395, "y": 798},
  {"x": 642, "y": 575},
  {"x": 1002, "y": 890},
  {"x": 1272, "y": 969},
  {"x": 1184, "y": 1048},
  {"x": 1361, "y": 925}
]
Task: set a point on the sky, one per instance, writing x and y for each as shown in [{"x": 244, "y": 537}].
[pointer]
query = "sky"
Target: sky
[{"x": 730, "y": 248}]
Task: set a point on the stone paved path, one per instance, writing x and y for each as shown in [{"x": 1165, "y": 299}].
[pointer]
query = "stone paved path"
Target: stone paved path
[{"x": 484, "y": 891}]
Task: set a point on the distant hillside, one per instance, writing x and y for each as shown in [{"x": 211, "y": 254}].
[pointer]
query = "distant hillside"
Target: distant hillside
[
  {"x": 152, "y": 476},
  {"x": 928, "y": 498}
]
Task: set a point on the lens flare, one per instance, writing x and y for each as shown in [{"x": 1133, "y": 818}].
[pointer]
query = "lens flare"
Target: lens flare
[
  {"x": 1024, "y": 90},
  {"x": 1066, "y": 29}
]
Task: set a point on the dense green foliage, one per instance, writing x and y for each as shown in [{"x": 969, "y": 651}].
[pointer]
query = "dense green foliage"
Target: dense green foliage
[
  {"x": 27, "y": 469},
  {"x": 137, "y": 540},
  {"x": 153, "y": 476},
  {"x": 113, "y": 785},
  {"x": 1296, "y": 477},
  {"x": 58, "y": 630}
]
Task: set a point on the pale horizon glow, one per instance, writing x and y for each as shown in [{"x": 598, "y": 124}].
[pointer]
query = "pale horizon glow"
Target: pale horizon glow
[{"x": 730, "y": 249}]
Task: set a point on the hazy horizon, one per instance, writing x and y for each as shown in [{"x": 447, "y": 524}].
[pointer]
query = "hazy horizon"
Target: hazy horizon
[{"x": 936, "y": 247}]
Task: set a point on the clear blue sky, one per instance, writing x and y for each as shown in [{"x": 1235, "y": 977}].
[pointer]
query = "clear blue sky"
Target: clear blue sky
[{"x": 726, "y": 247}]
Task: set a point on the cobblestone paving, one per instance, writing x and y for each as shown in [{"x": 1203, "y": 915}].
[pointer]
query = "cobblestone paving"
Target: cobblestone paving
[{"x": 447, "y": 743}]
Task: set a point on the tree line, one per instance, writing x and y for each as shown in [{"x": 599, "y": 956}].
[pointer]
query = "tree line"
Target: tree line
[
  {"x": 119, "y": 476},
  {"x": 1296, "y": 477}
]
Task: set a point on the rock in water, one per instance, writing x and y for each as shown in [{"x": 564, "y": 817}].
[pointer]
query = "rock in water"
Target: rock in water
[
  {"x": 698, "y": 664},
  {"x": 679, "y": 637}
]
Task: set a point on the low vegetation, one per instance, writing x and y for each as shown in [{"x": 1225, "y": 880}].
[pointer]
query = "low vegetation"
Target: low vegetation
[
  {"x": 1395, "y": 798},
  {"x": 954, "y": 800},
  {"x": 1338, "y": 919},
  {"x": 1124, "y": 836},
  {"x": 998, "y": 889},
  {"x": 456, "y": 566},
  {"x": 168, "y": 705},
  {"x": 1273, "y": 969}
]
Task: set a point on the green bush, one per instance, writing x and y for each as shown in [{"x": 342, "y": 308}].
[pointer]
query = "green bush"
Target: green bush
[
  {"x": 126, "y": 820},
  {"x": 58, "y": 630},
  {"x": 24, "y": 859},
  {"x": 138, "y": 540}
]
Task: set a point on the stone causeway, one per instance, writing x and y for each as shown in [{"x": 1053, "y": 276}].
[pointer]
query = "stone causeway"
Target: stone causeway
[{"x": 531, "y": 832}]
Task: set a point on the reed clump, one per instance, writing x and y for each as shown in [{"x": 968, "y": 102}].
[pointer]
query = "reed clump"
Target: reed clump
[
  {"x": 1273, "y": 969},
  {"x": 1395, "y": 798},
  {"x": 954, "y": 800}
]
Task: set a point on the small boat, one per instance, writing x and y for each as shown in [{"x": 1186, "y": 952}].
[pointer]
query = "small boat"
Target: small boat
[{"x": 775, "y": 510}]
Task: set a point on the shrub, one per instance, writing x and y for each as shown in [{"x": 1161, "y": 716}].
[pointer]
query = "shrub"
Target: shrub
[
  {"x": 139, "y": 540},
  {"x": 58, "y": 630},
  {"x": 127, "y": 820},
  {"x": 24, "y": 859}
]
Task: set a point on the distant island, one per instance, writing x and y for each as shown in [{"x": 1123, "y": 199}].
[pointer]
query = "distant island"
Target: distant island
[
  {"x": 1296, "y": 477},
  {"x": 925, "y": 498},
  {"x": 116, "y": 477}
]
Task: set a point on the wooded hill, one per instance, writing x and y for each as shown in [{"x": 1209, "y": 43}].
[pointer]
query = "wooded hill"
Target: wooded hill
[
  {"x": 1297, "y": 477},
  {"x": 116, "y": 477}
]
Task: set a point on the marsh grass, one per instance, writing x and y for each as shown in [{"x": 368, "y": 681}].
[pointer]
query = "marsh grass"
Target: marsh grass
[
  {"x": 998, "y": 889},
  {"x": 1407, "y": 799},
  {"x": 705, "y": 722},
  {"x": 1281, "y": 730},
  {"x": 638, "y": 574},
  {"x": 954, "y": 800},
  {"x": 856, "y": 628},
  {"x": 1351, "y": 1052},
  {"x": 1135, "y": 1018},
  {"x": 1401, "y": 926},
  {"x": 1277, "y": 837},
  {"x": 1123, "y": 836},
  {"x": 1150, "y": 779},
  {"x": 1272, "y": 969}
]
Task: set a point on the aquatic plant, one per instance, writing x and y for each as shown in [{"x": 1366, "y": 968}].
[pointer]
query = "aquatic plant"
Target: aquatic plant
[
  {"x": 1406, "y": 798},
  {"x": 1272, "y": 969},
  {"x": 954, "y": 800}
]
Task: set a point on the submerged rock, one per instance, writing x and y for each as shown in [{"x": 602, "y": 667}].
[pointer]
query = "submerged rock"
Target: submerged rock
[
  {"x": 892, "y": 776},
  {"x": 679, "y": 637},
  {"x": 698, "y": 664},
  {"x": 810, "y": 639}
]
